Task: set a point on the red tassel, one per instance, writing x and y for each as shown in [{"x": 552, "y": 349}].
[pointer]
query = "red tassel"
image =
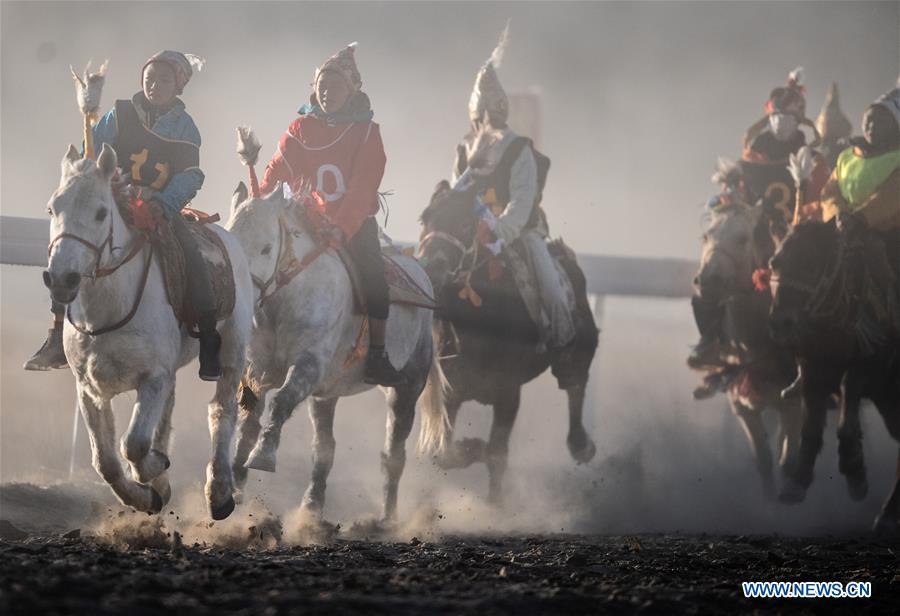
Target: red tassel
[
  {"x": 254, "y": 183},
  {"x": 761, "y": 279}
]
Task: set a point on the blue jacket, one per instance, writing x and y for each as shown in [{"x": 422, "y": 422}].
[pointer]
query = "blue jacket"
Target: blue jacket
[{"x": 174, "y": 124}]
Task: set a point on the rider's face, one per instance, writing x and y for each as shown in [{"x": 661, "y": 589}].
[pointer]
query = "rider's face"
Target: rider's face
[
  {"x": 332, "y": 91},
  {"x": 159, "y": 84},
  {"x": 783, "y": 125},
  {"x": 880, "y": 128}
]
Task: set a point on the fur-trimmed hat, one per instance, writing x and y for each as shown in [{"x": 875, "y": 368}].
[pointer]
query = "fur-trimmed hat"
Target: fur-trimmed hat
[
  {"x": 182, "y": 63},
  {"x": 343, "y": 63},
  {"x": 488, "y": 95}
]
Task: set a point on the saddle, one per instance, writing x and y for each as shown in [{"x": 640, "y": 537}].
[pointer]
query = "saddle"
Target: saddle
[
  {"x": 215, "y": 256},
  {"x": 402, "y": 289}
]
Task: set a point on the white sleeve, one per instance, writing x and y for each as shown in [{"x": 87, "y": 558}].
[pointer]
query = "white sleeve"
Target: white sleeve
[{"x": 523, "y": 188}]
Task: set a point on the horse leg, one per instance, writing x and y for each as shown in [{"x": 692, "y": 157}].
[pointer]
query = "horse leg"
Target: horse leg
[
  {"x": 850, "y": 452},
  {"x": 161, "y": 440},
  {"x": 402, "y": 403},
  {"x": 249, "y": 414},
  {"x": 888, "y": 521},
  {"x": 505, "y": 410},
  {"x": 798, "y": 479},
  {"x": 790, "y": 424},
  {"x": 463, "y": 453},
  {"x": 147, "y": 462},
  {"x": 580, "y": 445},
  {"x": 222, "y": 415},
  {"x": 321, "y": 413},
  {"x": 101, "y": 429},
  {"x": 751, "y": 421},
  {"x": 301, "y": 378}
]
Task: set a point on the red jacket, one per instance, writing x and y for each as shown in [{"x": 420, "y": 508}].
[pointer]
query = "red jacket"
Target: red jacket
[{"x": 344, "y": 163}]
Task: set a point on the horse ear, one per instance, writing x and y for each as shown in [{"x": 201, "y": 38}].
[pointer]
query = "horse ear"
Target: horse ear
[
  {"x": 442, "y": 186},
  {"x": 69, "y": 158},
  {"x": 239, "y": 196},
  {"x": 107, "y": 161}
]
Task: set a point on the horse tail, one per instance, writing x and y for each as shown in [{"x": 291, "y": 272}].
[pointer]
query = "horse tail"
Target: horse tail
[{"x": 434, "y": 435}]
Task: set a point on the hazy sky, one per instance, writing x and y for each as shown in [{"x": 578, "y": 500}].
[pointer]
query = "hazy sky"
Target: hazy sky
[{"x": 639, "y": 98}]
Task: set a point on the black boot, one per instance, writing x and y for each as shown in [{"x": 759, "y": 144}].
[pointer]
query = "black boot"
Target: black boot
[
  {"x": 706, "y": 355},
  {"x": 51, "y": 354},
  {"x": 210, "y": 343},
  {"x": 380, "y": 371}
]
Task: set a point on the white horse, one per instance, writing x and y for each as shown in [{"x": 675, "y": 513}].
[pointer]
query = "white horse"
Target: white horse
[
  {"x": 304, "y": 332},
  {"x": 122, "y": 335}
]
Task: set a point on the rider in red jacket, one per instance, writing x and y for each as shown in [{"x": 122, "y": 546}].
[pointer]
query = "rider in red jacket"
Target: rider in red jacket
[{"x": 335, "y": 148}]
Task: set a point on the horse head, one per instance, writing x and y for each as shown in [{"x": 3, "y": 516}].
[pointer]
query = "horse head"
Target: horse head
[
  {"x": 256, "y": 222},
  {"x": 449, "y": 224},
  {"x": 738, "y": 239},
  {"x": 81, "y": 222},
  {"x": 801, "y": 267}
]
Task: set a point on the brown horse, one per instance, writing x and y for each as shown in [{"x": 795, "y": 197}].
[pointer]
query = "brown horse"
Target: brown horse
[
  {"x": 489, "y": 350},
  {"x": 843, "y": 327}
]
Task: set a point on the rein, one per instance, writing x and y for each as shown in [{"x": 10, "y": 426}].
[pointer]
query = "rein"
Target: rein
[
  {"x": 287, "y": 266},
  {"x": 101, "y": 272}
]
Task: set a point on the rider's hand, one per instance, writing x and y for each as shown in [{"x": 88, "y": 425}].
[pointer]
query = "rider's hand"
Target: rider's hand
[
  {"x": 157, "y": 210},
  {"x": 333, "y": 235}
]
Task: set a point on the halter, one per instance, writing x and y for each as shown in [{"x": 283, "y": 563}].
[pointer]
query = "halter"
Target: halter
[
  {"x": 100, "y": 272},
  {"x": 282, "y": 276},
  {"x": 441, "y": 235}
]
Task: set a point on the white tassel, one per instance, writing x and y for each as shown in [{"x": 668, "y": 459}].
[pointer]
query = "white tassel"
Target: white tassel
[
  {"x": 248, "y": 145},
  {"x": 497, "y": 55},
  {"x": 197, "y": 63},
  {"x": 801, "y": 164},
  {"x": 724, "y": 166},
  {"x": 89, "y": 87},
  {"x": 796, "y": 76}
]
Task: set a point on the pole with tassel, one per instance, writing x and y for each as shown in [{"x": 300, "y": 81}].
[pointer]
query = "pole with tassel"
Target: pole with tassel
[{"x": 88, "y": 89}]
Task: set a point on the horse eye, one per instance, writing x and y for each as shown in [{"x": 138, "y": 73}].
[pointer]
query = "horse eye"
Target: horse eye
[
  {"x": 101, "y": 214},
  {"x": 705, "y": 237},
  {"x": 267, "y": 249}
]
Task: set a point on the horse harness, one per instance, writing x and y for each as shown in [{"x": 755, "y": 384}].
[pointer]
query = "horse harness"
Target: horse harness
[
  {"x": 101, "y": 272},
  {"x": 287, "y": 265}
]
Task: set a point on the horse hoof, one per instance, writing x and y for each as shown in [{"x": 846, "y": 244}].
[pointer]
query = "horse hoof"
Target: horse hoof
[
  {"x": 261, "y": 461},
  {"x": 792, "y": 493},
  {"x": 238, "y": 497},
  {"x": 857, "y": 488},
  {"x": 161, "y": 486},
  {"x": 886, "y": 526},
  {"x": 583, "y": 454},
  {"x": 156, "y": 502},
  {"x": 154, "y": 464},
  {"x": 220, "y": 512}
]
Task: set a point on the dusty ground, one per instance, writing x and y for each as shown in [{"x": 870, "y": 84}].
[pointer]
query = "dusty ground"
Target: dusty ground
[{"x": 664, "y": 574}]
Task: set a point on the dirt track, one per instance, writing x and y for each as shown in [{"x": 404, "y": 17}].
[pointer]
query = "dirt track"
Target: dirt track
[{"x": 664, "y": 574}]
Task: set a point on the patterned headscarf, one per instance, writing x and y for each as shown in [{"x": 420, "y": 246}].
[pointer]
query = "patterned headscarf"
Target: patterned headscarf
[
  {"x": 182, "y": 63},
  {"x": 343, "y": 63}
]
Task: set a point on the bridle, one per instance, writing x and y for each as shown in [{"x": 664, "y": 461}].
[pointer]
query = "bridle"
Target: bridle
[
  {"x": 100, "y": 272},
  {"x": 287, "y": 265}
]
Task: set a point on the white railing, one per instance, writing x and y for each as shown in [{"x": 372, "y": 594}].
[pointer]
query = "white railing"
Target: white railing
[{"x": 23, "y": 241}]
